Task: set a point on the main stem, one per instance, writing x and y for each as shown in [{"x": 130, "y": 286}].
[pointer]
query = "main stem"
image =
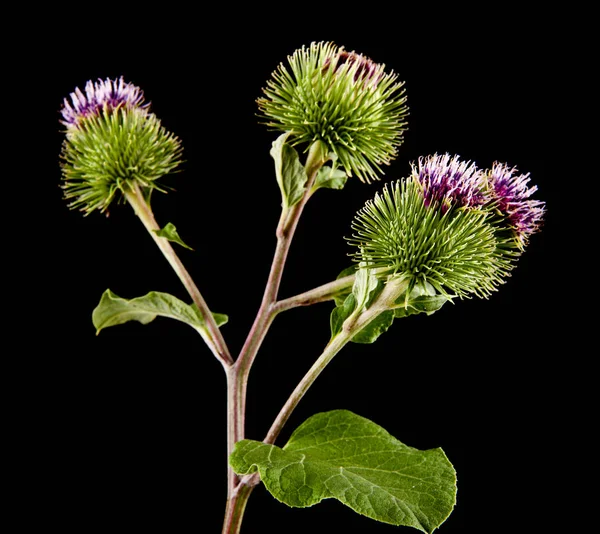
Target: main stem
[
  {"x": 237, "y": 376},
  {"x": 241, "y": 494}
]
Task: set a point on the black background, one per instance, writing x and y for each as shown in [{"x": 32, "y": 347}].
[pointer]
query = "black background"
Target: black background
[{"x": 127, "y": 429}]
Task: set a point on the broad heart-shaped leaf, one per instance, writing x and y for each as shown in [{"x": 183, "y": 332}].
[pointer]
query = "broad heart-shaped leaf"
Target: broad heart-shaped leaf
[
  {"x": 341, "y": 455},
  {"x": 169, "y": 232},
  {"x": 113, "y": 310},
  {"x": 290, "y": 173}
]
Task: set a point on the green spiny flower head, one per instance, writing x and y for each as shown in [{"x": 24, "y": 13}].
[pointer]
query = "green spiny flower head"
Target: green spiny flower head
[
  {"x": 112, "y": 143},
  {"x": 433, "y": 227},
  {"x": 340, "y": 98}
]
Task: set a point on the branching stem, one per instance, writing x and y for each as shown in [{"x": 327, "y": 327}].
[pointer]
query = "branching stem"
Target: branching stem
[
  {"x": 238, "y": 376},
  {"x": 214, "y": 339}
]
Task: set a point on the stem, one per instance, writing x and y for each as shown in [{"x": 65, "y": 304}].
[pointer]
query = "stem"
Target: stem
[
  {"x": 236, "y": 505},
  {"x": 214, "y": 339},
  {"x": 353, "y": 324},
  {"x": 234, "y": 423},
  {"x": 316, "y": 295},
  {"x": 319, "y": 294},
  {"x": 333, "y": 347},
  {"x": 266, "y": 313},
  {"x": 249, "y": 481},
  {"x": 237, "y": 376}
]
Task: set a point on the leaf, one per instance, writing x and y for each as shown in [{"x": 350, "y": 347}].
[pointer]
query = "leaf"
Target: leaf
[
  {"x": 341, "y": 313},
  {"x": 113, "y": 310},
  {"x": 422, "y": 299},
  {"x": 290, "y": 173},
  {"x": 330, "y": 178},
  {"x": 341, "y": 296},
  {"x": 375, "y": 328},
  {"x": 169, "y": 232},
  {"x": 364, "y": 287},
  {"x": 341, "y": 455},
  {"x": 220, "y": 318}
]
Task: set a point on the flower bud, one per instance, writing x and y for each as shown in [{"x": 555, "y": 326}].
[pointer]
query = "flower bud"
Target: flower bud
[
  {"x": 112, "y": 143},
  {"x": 440, "y": 226},
  {"x": 340, "y": 98}
]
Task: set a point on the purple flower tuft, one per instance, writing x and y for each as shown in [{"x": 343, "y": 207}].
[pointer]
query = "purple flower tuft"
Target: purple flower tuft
[
  {"x": 448, "y": 182},
  {"x": 365, "y": 69},
  {"x": 110, "y": 93},
  {"x": 511, "y": 195}
]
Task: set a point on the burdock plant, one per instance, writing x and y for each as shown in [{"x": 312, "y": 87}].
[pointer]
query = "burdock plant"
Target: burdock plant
[{"x": 447, "y": 231}]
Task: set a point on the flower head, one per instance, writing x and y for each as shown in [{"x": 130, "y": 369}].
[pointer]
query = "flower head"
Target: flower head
[
  {"x": 441, "y": 226},
  {"x": 400, "y": 233},
  {"x": 112, "y": 144},
  {"x": 448, "y": 182},
  {"x": 510, "y": 194},
  {"x": 342, "y": 99}
]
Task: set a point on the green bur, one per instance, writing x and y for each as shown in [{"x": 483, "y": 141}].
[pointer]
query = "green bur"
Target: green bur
[
  {"x": 113, "y": 152},
  {"x": 458, "y": 251}
]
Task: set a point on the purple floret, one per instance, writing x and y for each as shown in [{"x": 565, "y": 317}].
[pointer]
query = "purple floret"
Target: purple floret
[
  {"x": 448, "y": 182},
  {"x": 511, "y": 194},
  {"x": 110, "y": 93}
]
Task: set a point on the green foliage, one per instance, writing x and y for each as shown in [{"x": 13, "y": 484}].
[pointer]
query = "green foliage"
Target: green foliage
[
  {"x": 341, "y": 313},
  {"x": 113, "y": 310},
  {"x": 341, "y": 296},
  {"x": 421, "y": 299},
  {"x": 341, "y": 455},
  {"x": 169, "y": 232},
  {"x": 375, "y": 328},
  {"x": 290, "y": 173},
  {"x": 366, "y": 287},
  {"x": 365, "y": 290},
  {"x": 330, "y": 178}
]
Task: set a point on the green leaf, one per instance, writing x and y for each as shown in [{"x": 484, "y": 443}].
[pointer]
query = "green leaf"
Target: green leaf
[
  {"x": 341, "y": 313},
  {"x": 375, "y": 328},
  {"x": 330, "y": 178},
  {"x": 364, "y": 291},
  {"x": 422, "y": 299},
  {"x": 341, "y": 455},
  {"x": 341, "y": 296},
  {"x": 169, "y": 232},
  {"x": 220, "y": 318},
  {"x": 290, "y": 173},
  {"x": 365, "y": 286},
  {"x": 114, "y": 310}
]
